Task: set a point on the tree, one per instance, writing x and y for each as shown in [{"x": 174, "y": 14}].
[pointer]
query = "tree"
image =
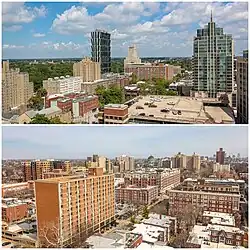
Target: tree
[
  {"x": 132, "y": 219},
  {"x": 40, "y": 119},
  {"x": 55, "y": 120},
  {"x": 35, "y": 102},
  {"x": 42, "y": 92},
  {"x": 145, "y": 212}
]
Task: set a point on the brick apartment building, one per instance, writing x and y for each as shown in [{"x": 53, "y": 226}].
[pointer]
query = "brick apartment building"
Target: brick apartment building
[
  {"x": 34, "y": 170},
  {"x": 150, "y": 71},
  {"x": 16, "y": 187},
  {"x": 136, "y": 195},
  {"x": 114, "y": 114},
  {"x": 78, "y": 206},
  {"x": 13, "y": 210},
  {"x": 210, "y": 196},
  {"x": 163, "y": 179}
]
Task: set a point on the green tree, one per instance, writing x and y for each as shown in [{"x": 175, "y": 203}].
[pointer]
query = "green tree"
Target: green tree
[
  {"x": 55, "y": 120},
  {"x": 42, "y": 92},
  {"x": 145, "y": 212},
  {"x": 35, "y": 102},
  {"x": 40, "y": 119},
  {"x": 132, "y": 219}
]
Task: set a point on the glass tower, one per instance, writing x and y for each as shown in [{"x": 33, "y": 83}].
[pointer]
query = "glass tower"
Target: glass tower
[
  {"x": 213, "y": 60},
  {"x": 100, "y": 45}
]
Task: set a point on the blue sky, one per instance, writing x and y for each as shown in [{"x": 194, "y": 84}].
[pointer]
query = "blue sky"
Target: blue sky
[
  {"x": 20, "y": 142},
  {"x": 62, "y": 29}
]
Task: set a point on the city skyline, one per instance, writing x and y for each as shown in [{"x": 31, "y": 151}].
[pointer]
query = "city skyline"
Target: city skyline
[
  {"x": 62, "y": 30},
  {"x": 79, "y": 142}
]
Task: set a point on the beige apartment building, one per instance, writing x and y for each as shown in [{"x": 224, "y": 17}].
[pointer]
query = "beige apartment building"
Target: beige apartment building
[
  {"x": 70, "y": 209},
  {"x": 191, "y": 162},
  {"x": 88, "y": 70},
  {"x": 16, "y": 88}
]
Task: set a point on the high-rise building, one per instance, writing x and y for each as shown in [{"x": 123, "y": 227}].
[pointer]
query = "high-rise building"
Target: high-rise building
[
  {"x": 78, "y": 207},
  {"x": 101, "y": 49},
  {"x": 132, "y": 56},
  {"x": 88, "y": 70},
  {"x": 16, "y": 88},
  {"x": 101, "y": 162},
  {"x": 34, "y": 170},
  {"x": 126, "y": 163},
  {"x": 213, "y": 54},
  {"x": 220, "y": 156},
  {"x": 242, "y": 90}
]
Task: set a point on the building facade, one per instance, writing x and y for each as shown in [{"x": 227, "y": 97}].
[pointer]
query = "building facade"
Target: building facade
[
  {"x": 88, "y": 70},
  {"x": 242, "y": 90},
  {"x": 136, "y": 195},
  {"x": 114, "y": 114},
  {"x": 220, "y": 156},
  {"x": 132, "y": 56},
  {"x": 101, "y": 49},
  {"x": 125, "y": 163},
  {"x": 164, "y": 180},
  {"x": 213, "y": 60},
  {"x": 13, "y": 211},
  {"x": 34, "y": 170},
  {"x": 16, "y": 88},
  {"x": 62, "y": 85},
  {"x": 74, "y": 217}
]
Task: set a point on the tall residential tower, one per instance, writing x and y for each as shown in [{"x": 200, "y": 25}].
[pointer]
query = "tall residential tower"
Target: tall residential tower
[
  {"x": 213, "y": 60},
  {"x": 101, "y": 49}
]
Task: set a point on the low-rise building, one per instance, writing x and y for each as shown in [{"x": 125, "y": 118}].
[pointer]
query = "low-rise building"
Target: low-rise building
[
  {"x": 13, "y": 210},
  {"x": 114, "y": 114},
  {"x": 217, "y": 167},
  {"x": 50, "y": 113},
  {"x": 136, "y": 195},
  {"x": 157, "y": 228},
  {"x": 216, "y": 236}
]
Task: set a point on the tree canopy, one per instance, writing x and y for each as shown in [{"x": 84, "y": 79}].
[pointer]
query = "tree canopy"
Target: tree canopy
[
  {"x": 39, "y": 72},
  {"x": 42, "y": 119},
  {"x": 112, "y": 95}
]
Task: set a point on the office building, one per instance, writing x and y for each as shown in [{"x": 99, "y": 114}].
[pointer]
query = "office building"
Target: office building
[
  {"x": 136, "y": 195},
  {"x": 125, "y": 163},
  {"x": 132, "y": 56},
  {"x": 242, "y": 89},
  {"x": 213, "y": 54},
  {"x": 220, "y": 156},
  {"x": 101, "y": 49},
  {"x": 74, "y": 217},
  {"x": 88, "y": 70},
  {"x": 34, "y": 170},
  {"x": 16, "y": 88},
  {"x": 62, "y": 85}
]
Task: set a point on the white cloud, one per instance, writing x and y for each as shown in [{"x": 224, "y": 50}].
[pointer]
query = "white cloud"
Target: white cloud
[
  {"x": 12, "y": 28},
  {"x": 10, "y": 46},
  {"x": 17, "y": 12},
  {"x": 38, "y": 35}
]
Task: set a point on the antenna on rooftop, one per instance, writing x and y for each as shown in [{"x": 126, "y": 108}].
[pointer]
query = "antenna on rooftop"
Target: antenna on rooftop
[{"x": 211, "y": 20}]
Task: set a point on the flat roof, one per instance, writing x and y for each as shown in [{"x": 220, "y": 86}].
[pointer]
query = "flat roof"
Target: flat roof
[
  {"x": 116, "y": 106},
  {"x": 192, "y": 110},
  {"x": 138, "y": 188}
]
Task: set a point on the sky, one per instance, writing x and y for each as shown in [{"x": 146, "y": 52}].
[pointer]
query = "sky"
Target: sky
[
  {"x": 62, "y": 29},
  {"x": 78, "y": 142}
]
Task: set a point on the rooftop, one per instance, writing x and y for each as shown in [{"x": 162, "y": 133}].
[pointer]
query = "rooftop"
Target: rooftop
[
  {"x": 220, "y": 218},
  {"x": 192, "y": 110},
  {"x": 116, "y": 106},
  {"x": 49, "y": 111}
]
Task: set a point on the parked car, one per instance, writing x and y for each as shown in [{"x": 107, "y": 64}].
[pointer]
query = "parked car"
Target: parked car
[
  {"x": 139, "y": 107},
  {"x": 152, "y": 106},
  {"x": 151, "y": 115},
  {"x": 142, "y": 114},
  {"x": 179, "y": 112}
]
